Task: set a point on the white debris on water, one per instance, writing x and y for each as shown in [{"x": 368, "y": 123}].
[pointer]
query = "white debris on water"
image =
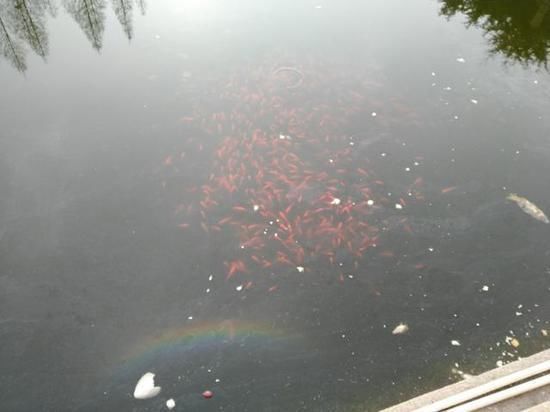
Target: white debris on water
[
  {"x": 170, "y": 403},
  {"x": 256, "y": 208},
  {"x": 335, "y": 201},
  {"x": 400, "y": 329},
  {"x": 145, "y": 387},
  {"x": 398, "y": 206},
  {"x": 300, "y": 269},
  {"x": 239, "y": 288},
  {"x": 454, "y": 342},
  {"x": 485, "y": 288},
  {"x": 210, "y": 278},
  {"x": 373, "y": 114},
  {"x": 190, "y": 317},
  {"x": 370, "y": 202},
  {"x": 474, "y": 101},
  {"x": 460, "y": 60}
]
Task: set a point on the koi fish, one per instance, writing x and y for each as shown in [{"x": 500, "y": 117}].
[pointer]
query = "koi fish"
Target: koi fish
[{"x": 528, "y": 207}]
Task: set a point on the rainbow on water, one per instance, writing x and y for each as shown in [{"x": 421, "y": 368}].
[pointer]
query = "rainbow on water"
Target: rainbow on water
[{"x": 172, "y": 342}]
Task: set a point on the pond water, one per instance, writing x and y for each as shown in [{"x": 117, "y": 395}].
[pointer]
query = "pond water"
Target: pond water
[{"x": 249, "y": 197}]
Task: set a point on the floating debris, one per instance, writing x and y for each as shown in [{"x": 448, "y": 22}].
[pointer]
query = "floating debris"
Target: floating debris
[
  {"x": 528, "y": 207},
  {"x": 544, "y": 332},
  {"x": 335, "y": 201},
  {"x": 300, "y": 269},
  {"x": 145, "y": 387},
  {"x": 207, "y": 394},
  {"x": 485, "y": 288},
  {"x": 454, "y": 342},
  {"x": 474, "y": 101},
  {"x": 460, "y": 60},
  {"x": 514, "y": 342},
  {"x": 170, "y": 403},
  {"x": 400, "y": 329}
]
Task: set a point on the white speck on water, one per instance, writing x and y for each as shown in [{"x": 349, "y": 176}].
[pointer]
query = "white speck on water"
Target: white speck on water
[
  {"x": 373, "y": 114},
  {"x": 448, "y": 88},
  {"x": 416, "y": 164},
  {"x": 331, "y": 160},
  {"x": 460, "y": 60},
  {"x": 350, "y": 276},
  {"x": 455, "y": 342},
  {"x": 145, "y": 387},
  {"x": 343, "y": 336},
  {"x": 400, "y": 329},
  {"x": 407, "y": 169},
  {"x": 383, "y": 154},
  {"x": 535, "y": 81},
  {"x": 208, "y": 290},
  {"x": 351, "y": 143},
  {"x": 300, "y": 269},
  {"x": 398, "y": 206},
  {"x": 217, "y": 380},
  {"x": 433, "y": 73},
  {"x": 455, "y": 117},
  {"x": 519, "y": 313},
  {"x": 256, "y": 208},
  {"x": 474, "y": 101},
  {"x": 210, "y": 278},
  {"x": 170, "y": 403},
  {"x": 239, "y": 288},
  {"x": 520, "y": 306},
  {"x": 370, "y": 202},
  {"x": 431, "y": 249},
  {"x": 434, "y": 84},
  {"x": 500, "y": 363},
  {"x": 335, "y": 201},
  {"x": 189, "y": 317},
  {"x": 485, "y": 288},
  {"x": 517, "y": 151}
]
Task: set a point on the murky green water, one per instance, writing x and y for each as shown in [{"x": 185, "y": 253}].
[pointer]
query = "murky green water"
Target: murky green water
[{"x": 248, "y": 197}]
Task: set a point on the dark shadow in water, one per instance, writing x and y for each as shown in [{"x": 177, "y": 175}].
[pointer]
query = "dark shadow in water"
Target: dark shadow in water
[
  {"x": 519, "y": 30},
  {"x": 23, "y": 24}
]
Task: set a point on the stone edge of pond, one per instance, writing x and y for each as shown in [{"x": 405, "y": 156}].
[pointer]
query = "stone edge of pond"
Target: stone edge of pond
[{"x": 532, "y": 399}]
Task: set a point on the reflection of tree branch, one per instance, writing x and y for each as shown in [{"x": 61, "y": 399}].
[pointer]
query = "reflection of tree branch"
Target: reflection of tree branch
[
  {"x": 141, "y": 5},
  {"x": 23, "y": 21},
  {"x": 123, "y": 11},
  {"x": 520, "y": 30},
  {"x": 10, "y": 49},
  {"x": 36, "y": 39},
  {"x": 544, "y": 6},
  {"x": 90, "y": 16}
]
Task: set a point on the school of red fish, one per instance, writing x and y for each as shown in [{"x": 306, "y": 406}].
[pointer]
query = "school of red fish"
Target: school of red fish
[{"x": 284, "y": 181}]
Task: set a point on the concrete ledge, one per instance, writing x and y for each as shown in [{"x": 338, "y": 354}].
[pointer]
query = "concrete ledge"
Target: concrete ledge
[{"x": 533, "y": 399}]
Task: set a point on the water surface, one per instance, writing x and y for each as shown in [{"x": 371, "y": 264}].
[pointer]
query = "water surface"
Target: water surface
[{"x": 249, "y": 198}]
